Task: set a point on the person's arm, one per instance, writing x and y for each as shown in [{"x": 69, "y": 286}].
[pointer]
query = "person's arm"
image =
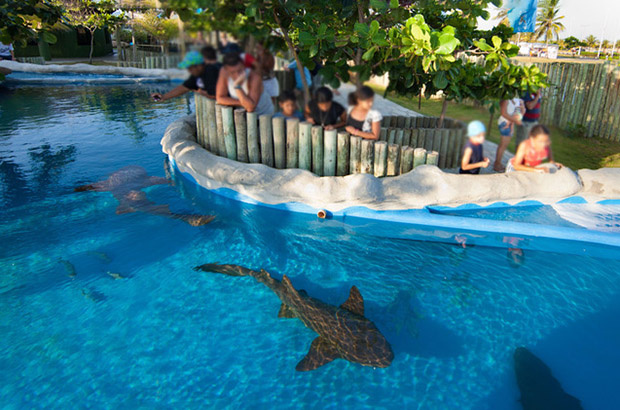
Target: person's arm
[
  {"x": 466, "y": 166},
  {"x": 374, "y": 135},
  {"x": 221, "y": 91},
  {"x": 175, "y": 92},
  {"x": 518, "y": 164},
  {"x": 12, "y": 52},
  {"x": 204, "y": 93},
  {"x": 531, "y": 104},
  {"x": 552, "y": 161},
  {"x": 308, "y": 114},
  {"x": 255, "y": 89},
  {"x": 342, "y": 123}
]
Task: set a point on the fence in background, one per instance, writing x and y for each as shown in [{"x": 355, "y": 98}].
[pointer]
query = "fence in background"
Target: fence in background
[
  {"x": 31, "y": 60},
  {"x": 582, "y": 95},
  {"x": 128, "y": 57},
  {"x": 405, "y": 142}
]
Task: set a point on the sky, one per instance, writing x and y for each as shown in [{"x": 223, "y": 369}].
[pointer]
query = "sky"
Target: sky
[{"x": 582, "y": 18}]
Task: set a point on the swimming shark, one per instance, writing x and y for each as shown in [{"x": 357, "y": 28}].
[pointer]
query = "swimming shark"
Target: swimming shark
[
  {"x": 539, "y": 389},
  {"x": 344, "y": 332},
  {"x": 126, "y": 185}
]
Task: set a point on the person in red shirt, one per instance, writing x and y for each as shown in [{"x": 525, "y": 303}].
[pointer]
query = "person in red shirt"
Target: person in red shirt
[{"x": 533, "y": 152}]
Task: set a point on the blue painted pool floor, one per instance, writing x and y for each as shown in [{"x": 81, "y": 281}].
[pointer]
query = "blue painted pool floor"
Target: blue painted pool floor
[{"x": 163, "y": 335}]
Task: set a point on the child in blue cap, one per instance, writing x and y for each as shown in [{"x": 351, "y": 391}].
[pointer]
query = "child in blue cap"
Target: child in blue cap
[{"x": 473, "y": 157}]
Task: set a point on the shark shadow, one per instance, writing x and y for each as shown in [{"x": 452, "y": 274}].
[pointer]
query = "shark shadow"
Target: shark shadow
[
  {"x": 539, "y": 389},
  {"x": 126, "y": 186},
  {"x": 344, "y": 332}
]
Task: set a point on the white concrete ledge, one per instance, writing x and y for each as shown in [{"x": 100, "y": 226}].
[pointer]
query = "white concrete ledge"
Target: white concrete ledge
[
  {"x": 80, "y": 68},
  {"x": 426, "y": 185}
]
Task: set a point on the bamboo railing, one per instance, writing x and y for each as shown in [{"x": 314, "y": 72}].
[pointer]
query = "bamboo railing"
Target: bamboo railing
[{"x": 405, "y": 142}]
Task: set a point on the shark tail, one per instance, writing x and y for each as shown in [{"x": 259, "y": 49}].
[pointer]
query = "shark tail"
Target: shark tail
[{"x": 230, "y": 270}]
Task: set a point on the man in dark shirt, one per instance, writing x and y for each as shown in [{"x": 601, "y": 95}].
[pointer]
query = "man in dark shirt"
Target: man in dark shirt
[
  {"x": 531, "y": 116},
  {"x": 203, "y": 70}
]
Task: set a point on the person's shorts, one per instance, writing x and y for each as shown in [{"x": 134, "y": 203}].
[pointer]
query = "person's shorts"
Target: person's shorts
[
  {"x": 9, "y": 57},
  {"x": 505, "y": 129},
  {"x": 272, "y": 87}
]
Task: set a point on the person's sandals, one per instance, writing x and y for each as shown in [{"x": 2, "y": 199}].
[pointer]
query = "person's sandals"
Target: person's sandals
[{"x": 499, "y": 169}]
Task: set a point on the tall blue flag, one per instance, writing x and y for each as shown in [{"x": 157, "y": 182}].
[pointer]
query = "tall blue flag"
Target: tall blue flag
[{"x": 522, "y": 15}]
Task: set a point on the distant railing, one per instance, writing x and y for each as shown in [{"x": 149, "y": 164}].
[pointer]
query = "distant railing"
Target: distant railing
[
  {"x": 31, "y": 60},
  {"x": 405, "y": 143}
]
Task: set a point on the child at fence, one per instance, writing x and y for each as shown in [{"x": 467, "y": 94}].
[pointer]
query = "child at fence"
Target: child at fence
[
  {"x": 324, "y": 111},
  {"x": 533, "y": 152},
  {"x": 288, "y": 106},
  {"x": 362, "y": 120},
  {"x": 473, "y": 157},
  {"x": 512, "y": 112}
]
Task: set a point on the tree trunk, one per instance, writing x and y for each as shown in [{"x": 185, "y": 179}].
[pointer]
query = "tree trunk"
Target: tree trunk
[
  {"x": 291, "y": 48},
  {"x": 490, "y": 125},
  {"x": 92, "y": 46},
  {"x": 444, "y": 108},
  {"x": 358, "y": 52}
]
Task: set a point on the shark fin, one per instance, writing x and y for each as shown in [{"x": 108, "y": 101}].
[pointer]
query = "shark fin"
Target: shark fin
[
  {"x": 286, "y": 312},
  {"x": 321, "y": 352},
  {"x": 355, "y": 302}
]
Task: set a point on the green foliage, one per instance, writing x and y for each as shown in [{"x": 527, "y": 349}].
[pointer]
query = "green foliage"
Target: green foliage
[
  {"x": 591, "y": 41},
  {"x": 548, "y": 20},
  {"x": 572, "y": 42},
  {"x": 21, "y": 20},
  {"x": 158, "y": 27}
]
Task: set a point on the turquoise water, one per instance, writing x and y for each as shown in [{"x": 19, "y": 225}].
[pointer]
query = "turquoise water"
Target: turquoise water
[{"x": 165, "y": 336}]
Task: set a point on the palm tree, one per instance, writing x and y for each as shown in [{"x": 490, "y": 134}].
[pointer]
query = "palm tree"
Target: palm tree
[
  {"x": 591, "y": 41},
  {"x": 548, "y": 20}
]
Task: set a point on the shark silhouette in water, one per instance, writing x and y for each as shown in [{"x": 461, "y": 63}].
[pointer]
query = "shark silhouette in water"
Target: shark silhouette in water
[
  {"x": 344, "y": 332},
  {"x": 126, "y": 185},
  {"x": 539, "y": 389}
]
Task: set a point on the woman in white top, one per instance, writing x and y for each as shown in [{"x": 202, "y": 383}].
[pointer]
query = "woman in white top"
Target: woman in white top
[
  {"x": 511, "y": 114},
  {"x": 362, "y": 120},
  {"x": 238, "y": 86}
]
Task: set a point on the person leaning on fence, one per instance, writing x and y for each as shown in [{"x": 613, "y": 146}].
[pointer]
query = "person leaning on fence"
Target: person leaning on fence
[
  {"x": 323, "y": 111},
  {"x": 511, "y": 113},
  {"x": 533, "y": 152},
  {"x": 204, "y": 72},
  {"x": 473, "y": 156},
  {"x": 288, "y": 106},
  {"x": 264, "y": 64},
  {"x": 362, "y": 120},
  {"x": 532, "y": 114},
  {"x": 239, "y": 86}
]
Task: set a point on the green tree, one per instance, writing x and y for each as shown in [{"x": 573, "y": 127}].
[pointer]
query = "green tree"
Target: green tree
[
  {"x": 548, "y": 20},
  {"x": 606, "y": 44},
  {"x": 572, "y": 42},
  {"x": 92, "y": 15},
  {"x": 160, "y": 28},
  {"x": 24, "y": 19},
  {"x": 591, "y": 41}
]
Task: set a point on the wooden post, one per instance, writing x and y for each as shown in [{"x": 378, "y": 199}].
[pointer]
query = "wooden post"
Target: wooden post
[
  {"x": 266, "y": 140},
  {"x": 393, "y": 161},
  {"x": 305, "y": 146},
  {"x": 317, "y": 150},
  {"x": 211, "y": 125},
  {"x": 330, "y": 152},
  {"x": 437, "y": 140},
  {"x": 407, "y": 160},
  {"x": 408, "y": 120},
  {"x": 279, "y": 142},
  {"x": 292, "y": 142},
  {"x": 355, "y": 159},
  {"x": 452, "y": 160},
  {"x": 444, "y": 134},
  {"x": 228, "y": 125},
  {"x": 432, "y": 158},
  {"x": 391, "y": 136},
  {"x": 400, "y": 121},
  {"x": 221, "y": 145},
  {"x": 241, "y": 135},
  {"x": 342, "y": 163},
  {"x": 380, "y": 158},
  {"x": 419, "y": 157},
  {"x": 254, "y": 154},
  {"x": 398, "y": 139},
  {"x": 383, "y": 134},
  {"x": 414, "y": 138},
  {"x": 386, "y": 121},
  {"x": 407, "y": 137},
  {"x": 368, "y": 153},
  {"x": 199, "y": 112}
]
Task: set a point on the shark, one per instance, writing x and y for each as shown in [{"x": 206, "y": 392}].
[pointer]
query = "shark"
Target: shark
[
  {"x": 539, "y": 389},
  {"x": 343, "y": 331},
  {"x": 126, "y": 186}
]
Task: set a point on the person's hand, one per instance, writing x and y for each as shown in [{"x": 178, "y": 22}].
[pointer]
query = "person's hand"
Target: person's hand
[
  {"x": 311, "y": 120},
  {"x": 240, "y": 79},
  {"x": 202, "y": 92},
  {"x": 486, "y": 162},
  {"x": 329, "y": 127},
  {"x": 351, "y": 130},
  {"x": 542, "y": 170},
  {"x": 557, "y": 164},
  {"x": 157, "y": 97}
]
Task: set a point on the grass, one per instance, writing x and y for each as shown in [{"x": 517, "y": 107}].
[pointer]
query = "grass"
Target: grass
[{"x": 574, "y": 152}]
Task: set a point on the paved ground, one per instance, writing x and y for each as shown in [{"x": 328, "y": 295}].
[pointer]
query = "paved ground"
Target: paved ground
[{"x": 387, "y": 107}]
